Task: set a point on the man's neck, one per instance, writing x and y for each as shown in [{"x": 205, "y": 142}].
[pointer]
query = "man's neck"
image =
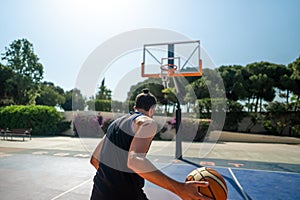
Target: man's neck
[{"x": 142, "y": 111}]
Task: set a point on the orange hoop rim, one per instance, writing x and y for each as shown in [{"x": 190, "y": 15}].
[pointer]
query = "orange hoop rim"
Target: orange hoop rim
[
  {"x": 166, "y": 67},
  {"x": 158, "y": 75}
]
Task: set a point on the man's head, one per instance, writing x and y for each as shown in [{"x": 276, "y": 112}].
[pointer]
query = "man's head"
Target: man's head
[{"x": 145, "y": 101}]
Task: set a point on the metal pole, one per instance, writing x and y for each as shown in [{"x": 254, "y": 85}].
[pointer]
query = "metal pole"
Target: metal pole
[
  {"x": 171, "y": 55},
  {"x": 178, "y": 151}
]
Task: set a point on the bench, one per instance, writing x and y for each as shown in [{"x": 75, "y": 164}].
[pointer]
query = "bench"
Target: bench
[
  {"x": 18, "y": 132},
  {"x": 3, "y": 133}
]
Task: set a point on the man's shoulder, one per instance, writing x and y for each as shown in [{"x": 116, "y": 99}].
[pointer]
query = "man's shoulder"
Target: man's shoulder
[
  {"x": 144, "y": 120},
  {"x": 145, "y": 124}
]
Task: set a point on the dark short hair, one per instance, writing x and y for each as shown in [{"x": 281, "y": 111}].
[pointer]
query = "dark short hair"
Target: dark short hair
[{"x": 145, "y": 100}]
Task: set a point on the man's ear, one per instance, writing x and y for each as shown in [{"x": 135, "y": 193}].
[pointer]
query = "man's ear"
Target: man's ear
[{"x": 151, "y": 112}]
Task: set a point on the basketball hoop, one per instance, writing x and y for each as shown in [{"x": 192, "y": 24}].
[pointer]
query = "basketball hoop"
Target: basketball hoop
[
  {"x": 166, "y": 71},
  {"x": 163, "y": 60}
]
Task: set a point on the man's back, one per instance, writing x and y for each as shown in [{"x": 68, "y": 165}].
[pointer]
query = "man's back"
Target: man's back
[
  {"x": 123, "y": 151},
  {"x": 114, "y": 179}
]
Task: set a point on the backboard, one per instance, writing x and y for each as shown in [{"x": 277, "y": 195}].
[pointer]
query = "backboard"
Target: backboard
[{"x": 172, "y": 59}]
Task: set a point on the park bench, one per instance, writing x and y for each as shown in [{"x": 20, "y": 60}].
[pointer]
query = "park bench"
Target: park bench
[
  {"x": 2, "y": 133},
  {"x": 18, "y": 132}
]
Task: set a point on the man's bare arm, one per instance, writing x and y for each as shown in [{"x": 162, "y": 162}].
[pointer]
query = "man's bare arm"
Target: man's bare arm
[
  {"x": 138, "y": 162},
  {"x": 95, "y": 158}
]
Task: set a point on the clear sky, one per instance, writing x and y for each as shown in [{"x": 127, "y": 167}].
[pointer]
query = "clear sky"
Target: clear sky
[{"x": 65, "y": 32}]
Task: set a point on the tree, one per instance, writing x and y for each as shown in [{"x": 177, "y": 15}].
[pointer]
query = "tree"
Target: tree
[
  {"x": 280, "y": 74},
  {"x": 208, "y": 85},
  {"x": 233, "y": 81},
  {"x": 200, "y": 88},
  {"x": 73, "y": 100},
  {"x": 286, "y": 84},
  {"x": 50, "y": 95},
  {"x": 260, "y": 86},
  {"x": 170, "y": 98},
  {"x": 190, "y": 97},
  {"x": 214, "y": 83},
  {"x": 6, "y": 97},
  {"x": 154, "y": 85},
  {"x": 104, "y": 92},
  {"x": 27, "y": 71},
  {"x": 295, "y": 78}
]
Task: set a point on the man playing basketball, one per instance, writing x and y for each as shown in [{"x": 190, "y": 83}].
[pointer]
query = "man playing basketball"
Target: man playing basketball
[{"x": 121, "y": 163}]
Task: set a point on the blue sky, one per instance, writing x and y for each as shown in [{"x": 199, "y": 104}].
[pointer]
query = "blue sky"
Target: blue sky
[{"x": 65, "y": 32}]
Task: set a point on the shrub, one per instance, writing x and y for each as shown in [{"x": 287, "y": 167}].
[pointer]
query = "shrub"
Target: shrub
[
  {"x": 103, "y": 105},
  {"x": 295, "y": 125},
  {"x": 63, "y": 126},
  {"x": 296, "y": 130},
  {"x": 43, "y": 120},
  {"x": 232, "y": 120}
]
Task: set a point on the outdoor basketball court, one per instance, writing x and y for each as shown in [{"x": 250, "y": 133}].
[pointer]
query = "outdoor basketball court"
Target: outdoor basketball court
[
  {"x": 243, "y": 184},
  {"x": 58, "y": 168}
]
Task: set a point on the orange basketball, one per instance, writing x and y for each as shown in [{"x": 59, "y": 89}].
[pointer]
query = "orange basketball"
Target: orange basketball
[{"x": 217, "y": 188}]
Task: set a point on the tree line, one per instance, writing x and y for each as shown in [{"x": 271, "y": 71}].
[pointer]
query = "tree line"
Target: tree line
[
  {"x": 256, "y": 87},
  {"x": 252, "y": 88}
]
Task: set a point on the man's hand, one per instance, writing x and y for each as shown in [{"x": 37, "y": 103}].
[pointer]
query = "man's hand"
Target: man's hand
[{"x": 190, "y": 190}]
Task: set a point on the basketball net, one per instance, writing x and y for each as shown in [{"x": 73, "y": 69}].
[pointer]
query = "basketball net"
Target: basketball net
[{"x": 166, "y": 71}]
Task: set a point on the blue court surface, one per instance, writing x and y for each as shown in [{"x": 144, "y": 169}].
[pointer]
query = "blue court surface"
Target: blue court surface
[{"x": 242, "y": 184}]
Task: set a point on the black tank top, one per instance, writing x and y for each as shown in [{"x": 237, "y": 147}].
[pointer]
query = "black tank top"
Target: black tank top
[{"x": 113, "y": 175}]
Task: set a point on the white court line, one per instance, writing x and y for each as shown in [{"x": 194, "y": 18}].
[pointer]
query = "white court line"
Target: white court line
[
  {"x": 238, "y": 184},
  {"x": 61, "y": 154},
  {"x": 264, "y": 170},
  {"x": 40, "y": 152},
  {"x": 82, "y": 155},
  {"x": 70, "y": 190}
]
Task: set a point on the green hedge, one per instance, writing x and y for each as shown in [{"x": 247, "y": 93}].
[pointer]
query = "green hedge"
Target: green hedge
[
  {"x": 44, "y": 120},
  {"x": 110, "y": 106},
  {"x": 103, "y": 105}
]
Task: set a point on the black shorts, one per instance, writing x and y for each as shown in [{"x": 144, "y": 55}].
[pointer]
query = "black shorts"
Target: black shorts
[{"x": 97, "y": 194}]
